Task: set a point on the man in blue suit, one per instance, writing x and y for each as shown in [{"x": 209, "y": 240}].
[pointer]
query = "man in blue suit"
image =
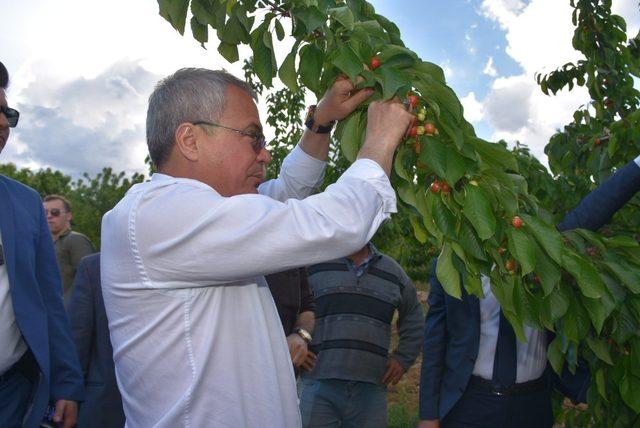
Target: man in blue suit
[
  {"x": 464, "y": 347},
  {"x": 38, "y": 361},
  {"x": 90, "y": 329}
]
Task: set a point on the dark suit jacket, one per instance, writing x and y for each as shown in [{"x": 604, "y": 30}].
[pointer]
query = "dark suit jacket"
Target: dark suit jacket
[
  {"x": 90, "y": 330},
  {"x": 36, "y": 295},
  {"x": 452, "y": 327}
]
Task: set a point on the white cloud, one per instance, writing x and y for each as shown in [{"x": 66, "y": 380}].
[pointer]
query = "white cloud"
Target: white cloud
[
  {"x": 473, "y": 109},
  {"x": 489, "y": 68},
  {"x": 85, "y": 124},
  {"x": 538, "y": 38}
]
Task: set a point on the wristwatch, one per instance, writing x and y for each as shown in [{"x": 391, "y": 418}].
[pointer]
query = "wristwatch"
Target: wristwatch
[
  {"x": 311, "y": 124},
  {"x": 304, "y": 334}
]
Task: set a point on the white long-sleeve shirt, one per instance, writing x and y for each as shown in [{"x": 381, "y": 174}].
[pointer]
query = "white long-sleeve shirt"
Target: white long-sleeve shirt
[{"x": 196, "y": 337}]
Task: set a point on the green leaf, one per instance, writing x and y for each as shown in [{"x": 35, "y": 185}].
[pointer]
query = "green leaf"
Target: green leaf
[
  {"x": 343, "y": 15},
  {"x": 372, "y": 28},
  {"x": 555, "y": 355},
  {"x": 585, "y": 274},
  {"x": 477, "y": 210},
  {"x": 469, "y": 241},
  {"x": 391, "y": 29},
  {"x": 629, "y": 388},
  {"x": 559, "y": 302},
  {"x": 434, "y": 155},
  {"x": 347, "y": 61},
  {"x": 548, "y": 272},
  {"x": 406, "y": 193},
  {"x": 432, "y": 70},
  {"x": 392, "y": 81},
  {"x": 263, "y": 56},
  {"x": 547, "y": 236},
  {"x": 228, "y": 51},
  {"x": 279, "y": 30},
  {"x": 399, "y": 163},
  {"x": 600, "y": 348},
  {"x": 200, "y": 32},
  {"x": 473, "y": 284},
  {"x": 600, "y": 384},
  {"x": 311, "y": 59},
  {"x": 627, "y": 275},
  {"x": 287, "y": 72},
  {"x": 522, "y": 248},
  {"x": 175, "y": 11},
  {"x": 456, "y": 167},
  {"x": 447, "y": 273},
  {"x": 443, "y": 218},
  {"x": 418, "y": 229},
  {"x": 494, "y": 154},
  {"x": 352, "y": 131},
  {"x": 310, "y": 17}
]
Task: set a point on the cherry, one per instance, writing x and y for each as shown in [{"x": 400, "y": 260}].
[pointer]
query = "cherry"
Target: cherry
[
  {"x": 413, "y": 132},
  {"x": 429, "y": 128},
  {"x": 435, "y": 187},
  {"x": 516, "y": 222},
  {"x": 420, "y": 130},
  {"x": 510, "y": 265},
  {"x": 417, "y": 147},
  {"x": 597, "y": 142},
  {"x": 501, "y": 250},
  {"x": 413, "y": 100},
  {"x": 375, "y": 62},
  {"x": 445, "y": 188}
]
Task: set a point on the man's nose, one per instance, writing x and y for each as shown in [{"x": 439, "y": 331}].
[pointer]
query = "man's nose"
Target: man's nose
[{"x": 264, "y": 156}]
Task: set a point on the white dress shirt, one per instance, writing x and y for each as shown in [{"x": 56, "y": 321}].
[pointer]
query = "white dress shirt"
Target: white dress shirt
[
  {"x": 197, "y": 340},
  {"x": 12, "y": 346},
  {"x": 531, "y": 355}
]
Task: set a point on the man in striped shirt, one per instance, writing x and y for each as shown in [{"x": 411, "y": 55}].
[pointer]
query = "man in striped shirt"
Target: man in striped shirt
[{"x": 356, "y": 300}]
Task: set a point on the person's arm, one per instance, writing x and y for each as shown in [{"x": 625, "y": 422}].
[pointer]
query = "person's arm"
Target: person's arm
[
  {"x": 82, "y": 315},
  {"x": 298, "y": 347},
  {"x": 67, "y": 386},
  {"x": 433, "y": 352},
  {"x": 597, "y": 208},
  {"x": 410, "y": 326},
  {"x": 303, "y": 169}
]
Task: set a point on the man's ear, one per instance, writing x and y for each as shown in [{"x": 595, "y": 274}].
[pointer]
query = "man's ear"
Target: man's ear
[{"x": 186, "y": 141}]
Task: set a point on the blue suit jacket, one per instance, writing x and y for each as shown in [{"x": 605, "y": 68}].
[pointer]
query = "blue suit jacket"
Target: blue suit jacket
[
  {"x": 36, "y": 294},
  {"x": 452, "y": 330},
  {"x": 90, "y": 330}
]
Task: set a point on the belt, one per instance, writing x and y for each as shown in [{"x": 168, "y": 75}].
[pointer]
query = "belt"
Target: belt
[
  {"x": 523, "y": 388},
  {"x": 25, "y": 365}
]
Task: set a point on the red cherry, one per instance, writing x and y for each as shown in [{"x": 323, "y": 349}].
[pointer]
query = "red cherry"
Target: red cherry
[
  {"x": 501, "y": 250},
  {"x": 597, "y": 142},
  {"x": 510, "y": 265},
  {"x": 435, "y": 187},
  {"x": 417, "y": 147},
  {"x": 413, "y": 100},
  {"x": 413, "y": 132},
  {"x": 516, "y": 222},
  {"x": 445, "y": 188},
  {"x": 536, "y": 279},
  {"x": 375, "y": 62},
  {"x": 429, "y": 128}
]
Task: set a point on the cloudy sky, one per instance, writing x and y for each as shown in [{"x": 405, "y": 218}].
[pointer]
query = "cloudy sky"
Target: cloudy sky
[{"x": 82, "y": 70}]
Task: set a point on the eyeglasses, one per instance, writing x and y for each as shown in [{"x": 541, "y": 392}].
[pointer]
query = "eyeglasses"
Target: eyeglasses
[
  {"x": 55, "y": 212},
  {"x": 11, "y": 114},
  {"x": 259, "y": 141}
]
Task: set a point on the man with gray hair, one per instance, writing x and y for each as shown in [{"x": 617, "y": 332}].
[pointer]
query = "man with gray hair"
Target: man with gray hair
[{"x": 196, "y": 337}]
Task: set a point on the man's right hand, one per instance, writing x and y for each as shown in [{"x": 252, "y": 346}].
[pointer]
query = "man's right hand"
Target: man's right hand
[
  {"x": 297, "y": 349},
  {"x": 387, "y": 124},
  {"x": 433, "y": 423}
]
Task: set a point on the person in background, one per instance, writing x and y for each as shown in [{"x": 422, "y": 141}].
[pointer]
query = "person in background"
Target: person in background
[
  {"x": 90, "y": 331},
  {"x": 71, "y": 246},
  {"x": 295, "y": 304},
  {"x": 357, "y": 298},
  {"x": 38, "y": 362}
]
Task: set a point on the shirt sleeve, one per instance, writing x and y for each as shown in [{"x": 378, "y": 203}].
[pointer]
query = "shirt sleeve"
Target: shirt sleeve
[
  {"x": 299, "y": 176},
  {"x": 188, "y": 234},
  {"x": 307, "y": 302}
]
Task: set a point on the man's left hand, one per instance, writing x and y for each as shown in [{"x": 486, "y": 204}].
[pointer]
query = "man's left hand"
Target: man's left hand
[
  {"x": 66, "y": 413},
  {"x": 394, "y": 372},
  {"x": 340, "y": 100},
  {"x": 297, "y": 348}
]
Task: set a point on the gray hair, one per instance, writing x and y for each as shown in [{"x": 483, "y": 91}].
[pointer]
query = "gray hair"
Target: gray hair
[{"x": 188, "y": 95}]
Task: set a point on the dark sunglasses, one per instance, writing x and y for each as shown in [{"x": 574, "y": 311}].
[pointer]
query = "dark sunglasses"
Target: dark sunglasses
[
  {"x": 55, "y": 212},
  {"x": 11, "y": 114},
  {"x": 259, "y": 141}
]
